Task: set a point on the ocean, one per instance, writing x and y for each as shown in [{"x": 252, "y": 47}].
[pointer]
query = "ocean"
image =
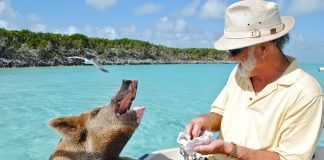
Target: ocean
[{"x": 172, "y": 95}]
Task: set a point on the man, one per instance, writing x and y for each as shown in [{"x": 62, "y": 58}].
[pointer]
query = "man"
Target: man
[{"x": 269, "y": 108}]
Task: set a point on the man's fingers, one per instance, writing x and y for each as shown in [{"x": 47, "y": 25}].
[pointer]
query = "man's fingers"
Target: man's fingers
[
  {"x": 204, "y": 149},
  {"x": 196, "y": 130},
  {"x": 189, "y": 129},
  {"x": 202, "y": 131},
  {"x": 213, "y": 147}
]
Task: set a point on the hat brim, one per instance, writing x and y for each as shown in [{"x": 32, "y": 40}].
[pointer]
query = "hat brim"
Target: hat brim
[{"x": 235, "y": 43}]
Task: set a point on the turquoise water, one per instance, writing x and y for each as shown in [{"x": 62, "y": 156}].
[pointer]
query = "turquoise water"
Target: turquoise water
[{"x": 172, "y": 95}]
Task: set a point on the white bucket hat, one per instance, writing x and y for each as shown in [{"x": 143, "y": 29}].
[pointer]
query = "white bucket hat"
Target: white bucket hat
[{"x": 251, "y": 22}]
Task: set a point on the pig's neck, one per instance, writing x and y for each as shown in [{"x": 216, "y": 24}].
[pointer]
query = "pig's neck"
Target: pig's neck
[
  {"x": 67, "y": 150},
  {"x": 116, "y": 145}
]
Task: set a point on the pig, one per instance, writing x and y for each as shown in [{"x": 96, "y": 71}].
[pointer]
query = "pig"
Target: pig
[{"x": 101, "y": 133}]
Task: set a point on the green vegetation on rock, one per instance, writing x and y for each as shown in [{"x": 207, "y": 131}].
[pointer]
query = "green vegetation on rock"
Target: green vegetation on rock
[{"x": 26, "y": 48}]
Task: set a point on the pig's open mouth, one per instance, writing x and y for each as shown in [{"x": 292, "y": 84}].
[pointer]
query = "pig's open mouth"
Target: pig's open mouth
[{"x": 125, "y": 102}]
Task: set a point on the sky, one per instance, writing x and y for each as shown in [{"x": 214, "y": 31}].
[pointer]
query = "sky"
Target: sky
[{"x": 173, "y": 23}]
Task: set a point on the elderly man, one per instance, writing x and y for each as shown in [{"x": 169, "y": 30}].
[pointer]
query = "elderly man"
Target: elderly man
[{"x": 269, "y": 108}]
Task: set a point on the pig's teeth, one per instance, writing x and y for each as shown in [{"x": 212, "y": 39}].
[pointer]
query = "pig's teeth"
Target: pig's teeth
[{"x": 139, "y": 112}]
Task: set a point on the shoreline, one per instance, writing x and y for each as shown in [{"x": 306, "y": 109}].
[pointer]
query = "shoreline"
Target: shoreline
[
  {"x": 29, "y": 49},
  {"x": 14, "y": 63}
]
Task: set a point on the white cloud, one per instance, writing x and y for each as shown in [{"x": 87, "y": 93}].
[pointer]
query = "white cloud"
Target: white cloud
[
  {"x": 2, "y": 6},
  {"x": 147, "y": 8},
  {"x": 109, "y": 32},
  {"x": 305, "y": 49},
  {"x": 68, "y": 30},
  {"x": 164, "y": 24},
  {"x": 39, "y": 28},
  {"x": 34, "y": 17},
  {"x": 3, "y": 24},
  {"x": 176, "y": 33},
  {"x": 101, "y": 4},
  {"x": 296, "y": 39},
  {"x": 6, "y": 11},
  {"x": 12, "y": 19},
  {"x": 167, "y": 31},
  {"x": 71, "y": 30},
  {"x": 190, "y": 9},
  {"x": 180, "y": 25},
  {"x": 89, "y": 30},
  {"x": 187, "y": 39},
  {"x": 213, "y": 9},
  {"x": 305, "y": 7},
  {"x": 128, "y": 30}
]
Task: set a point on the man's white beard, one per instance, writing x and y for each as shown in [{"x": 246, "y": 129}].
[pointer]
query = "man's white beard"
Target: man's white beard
[{"x": 246, "y": 67}]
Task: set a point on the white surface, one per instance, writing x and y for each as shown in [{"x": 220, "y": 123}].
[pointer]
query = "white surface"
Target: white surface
[
  {"x": 168, "y": 154},
  {"x": 174, "y": 154}
]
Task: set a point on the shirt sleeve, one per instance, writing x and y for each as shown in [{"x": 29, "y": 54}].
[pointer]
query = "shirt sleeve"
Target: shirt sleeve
[
  {"x": 218, "y": 106},
  {"x": 301, "y": 129}
]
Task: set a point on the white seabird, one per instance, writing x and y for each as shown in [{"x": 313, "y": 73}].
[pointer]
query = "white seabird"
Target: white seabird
[{"x": 90, "y": 61}]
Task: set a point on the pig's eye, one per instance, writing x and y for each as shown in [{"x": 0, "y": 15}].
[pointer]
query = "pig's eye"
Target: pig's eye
[
  {"x": 83, "y": 135},
  {"x": 95, "y": 112}
]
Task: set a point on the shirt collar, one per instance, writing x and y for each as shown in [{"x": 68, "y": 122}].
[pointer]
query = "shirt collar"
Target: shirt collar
[{"x": 290, "y": 76}]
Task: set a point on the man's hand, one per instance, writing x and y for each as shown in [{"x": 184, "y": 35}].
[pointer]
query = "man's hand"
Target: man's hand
[
  {"x": 216, "y": 146},
  {"x": 219, "y": 146},
  {"x": 197, "y": 126}
]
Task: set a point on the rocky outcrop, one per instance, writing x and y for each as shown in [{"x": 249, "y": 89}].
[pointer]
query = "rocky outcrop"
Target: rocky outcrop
[
  {"x": 25, "y": 48},
  {"x": 9, "y": 58}
]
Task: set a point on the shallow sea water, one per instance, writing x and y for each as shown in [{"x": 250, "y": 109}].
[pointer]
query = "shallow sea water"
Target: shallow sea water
[{"x": 172, "y": 95}]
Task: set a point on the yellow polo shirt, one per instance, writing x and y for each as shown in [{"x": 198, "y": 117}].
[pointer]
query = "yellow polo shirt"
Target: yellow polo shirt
[{"x": 285, "y": 117}]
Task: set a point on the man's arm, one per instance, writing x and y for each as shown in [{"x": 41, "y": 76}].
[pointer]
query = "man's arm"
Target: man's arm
[
  {"x": 210, "y": 121},
  {"x": 243, "y": 153}
]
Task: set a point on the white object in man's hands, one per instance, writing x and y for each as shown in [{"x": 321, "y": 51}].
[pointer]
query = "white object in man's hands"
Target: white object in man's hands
[{"x": 188, "y": 145}]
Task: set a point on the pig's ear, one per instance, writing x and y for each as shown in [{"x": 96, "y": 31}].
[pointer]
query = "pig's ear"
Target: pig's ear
[{"x": 67, "y": 126}]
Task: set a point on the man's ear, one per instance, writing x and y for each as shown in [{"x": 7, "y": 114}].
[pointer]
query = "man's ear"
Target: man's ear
[
  {"x": 67, "y": 126},
  {"x": 264, "y": 47}
]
